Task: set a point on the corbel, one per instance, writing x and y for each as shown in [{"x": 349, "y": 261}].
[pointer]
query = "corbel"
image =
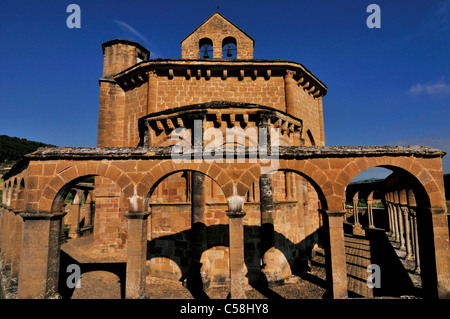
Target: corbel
[
  {"x": 224, "y": 74},
  {"x": 159, "y": 125},
  {"x": 180, "y": 122},
  {"x": 241, "y": 74},
  {"x": 170, "y": 124}
]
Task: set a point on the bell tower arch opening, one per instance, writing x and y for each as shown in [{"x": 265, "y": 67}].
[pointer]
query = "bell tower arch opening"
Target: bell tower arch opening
[
  {"x": 206, "y": 48},
  {"x": 229, "y": 48}
]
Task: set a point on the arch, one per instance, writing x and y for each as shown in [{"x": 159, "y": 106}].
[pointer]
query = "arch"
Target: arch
[
  {"x": 157, "y": 180},
  {"x": 185, "y": 218},
  {"x": 229, "y": 48},
  {"x": 5, "y": 192},
  {"x": 14, "y": 193},
  {"x": 20, "y": 204},
  {"x": 8, "y": 194},
  {"x": 427, "y": 190},
  {"x": 312, "y": 173},
  {"x": 205, "y": 48},
  {"x": 158, "y": 172},
  {"x": 57, "y": 189}
]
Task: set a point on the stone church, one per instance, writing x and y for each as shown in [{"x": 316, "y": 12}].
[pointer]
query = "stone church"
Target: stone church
[{"x": 212, "y": 170}]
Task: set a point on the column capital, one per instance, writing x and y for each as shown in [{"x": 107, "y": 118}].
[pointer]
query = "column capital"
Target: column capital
[
  {"x": 137, "y": 215},
  {"x": 405, "y": 210},
  {"x": 332, "y": 213},
  {"x": 235, "y": 214}
]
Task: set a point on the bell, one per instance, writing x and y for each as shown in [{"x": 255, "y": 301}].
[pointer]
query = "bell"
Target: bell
[
  {"x": 206, "y": 56},
  {"x": 229, "y": 54}
]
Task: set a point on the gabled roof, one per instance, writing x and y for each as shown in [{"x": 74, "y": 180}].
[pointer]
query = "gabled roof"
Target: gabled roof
[{"x": 217, "y": 13}]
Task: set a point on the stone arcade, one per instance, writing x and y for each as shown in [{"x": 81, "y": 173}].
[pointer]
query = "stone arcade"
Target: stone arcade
[{"x": 209, "y": 223}]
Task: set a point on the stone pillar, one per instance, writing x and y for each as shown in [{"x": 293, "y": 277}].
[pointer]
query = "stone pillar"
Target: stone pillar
[
  {"x": 136, "y": 254},
  {"x": 236, "y": 229},
  {"x": 2, "y": 216},
  {"x": 290, "y": 85},
  {"x": 8, "y": 237},
  {"x": 416, "y": 240},
  {"x": 251, "y": 193},
  {"x": 267, "y": 228},
  {"x": 40, "y": 255},
  {"x": 75, "y": 215},
  {"x": 288, "y": 181},
  {"x": 405, "y": 211},
  {"x": 391, "y": 220},
  {"x": 336, "y": 261},
  {"x": 16, "y": 244},
  {"x": 441, "y": 250},
  {"x": 198, "y": 229},
  {"x": 357, "y": 228},
  {"x": 401, "y": 228},
  {"x": 5, "y": 220},
  {"x": 355, "y": 213},
  {"x": 395, "y": 220},
  {"x": 88, "y": 204},
  {"x": 370, "y": 213}
]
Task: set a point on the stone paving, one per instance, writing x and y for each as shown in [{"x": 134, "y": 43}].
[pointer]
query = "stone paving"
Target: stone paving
[{"x": 311, "y": 285}]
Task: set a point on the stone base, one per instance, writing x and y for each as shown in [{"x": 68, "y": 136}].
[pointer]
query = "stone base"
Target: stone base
[
  {"x": 8, "y": 286},
  {"x": 358, "y": 231},
  {"x": 273, "y": 278}
]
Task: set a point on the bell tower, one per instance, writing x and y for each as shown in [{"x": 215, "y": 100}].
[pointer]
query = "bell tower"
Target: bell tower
[{"x": 217, "y": 38}]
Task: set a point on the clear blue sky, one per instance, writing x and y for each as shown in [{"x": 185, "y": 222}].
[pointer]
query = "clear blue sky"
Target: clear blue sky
[{"x": 386, "y": 86}]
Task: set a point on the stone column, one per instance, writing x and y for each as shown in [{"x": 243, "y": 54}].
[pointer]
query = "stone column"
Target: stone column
[
  {"x": 2, "y": 216},
  {"x": 370, "y": 213},
  {"x": 40, "y": 255},
  {"x": 236, "y": 229},
  {"x": 5, "y": 219},
  {"x": 88, "y": 205},
  {"x": 355, "y": 213},
  {"x": 357, "y": 228},
  {"x": 395, "y": 220},
  {"x": 75, "y": 215},
  {"x": 416, "y": 240},
  {"x": 267, "y": 228},
  {"x": 198, "y": 229},
  {"x": 16, "y": 244},
  {"x": 288, "y": 181},
  {"x": 336, "y": 261},
  {"x": 136, "y": 254},
  {"x": 401, "y": 228},
  {"x": 251, "y": 193},
  {"x": 441, "y": 250},
  {"x": 405, "y": 211},
  {"x": 8, "y": 237},
  {"x": 391, "y": 220}
]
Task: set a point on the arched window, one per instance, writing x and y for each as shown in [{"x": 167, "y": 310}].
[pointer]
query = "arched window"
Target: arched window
[
  {"x": 229, "y": 48},
  {"x": 206, "y": 48}
]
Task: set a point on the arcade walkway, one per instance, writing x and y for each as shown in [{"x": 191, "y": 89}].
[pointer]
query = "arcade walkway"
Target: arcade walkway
[{"x": 397, "y": 277}]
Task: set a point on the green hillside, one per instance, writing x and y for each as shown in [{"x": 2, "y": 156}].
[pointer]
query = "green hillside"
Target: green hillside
[{"x": 13, "y": 148}]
